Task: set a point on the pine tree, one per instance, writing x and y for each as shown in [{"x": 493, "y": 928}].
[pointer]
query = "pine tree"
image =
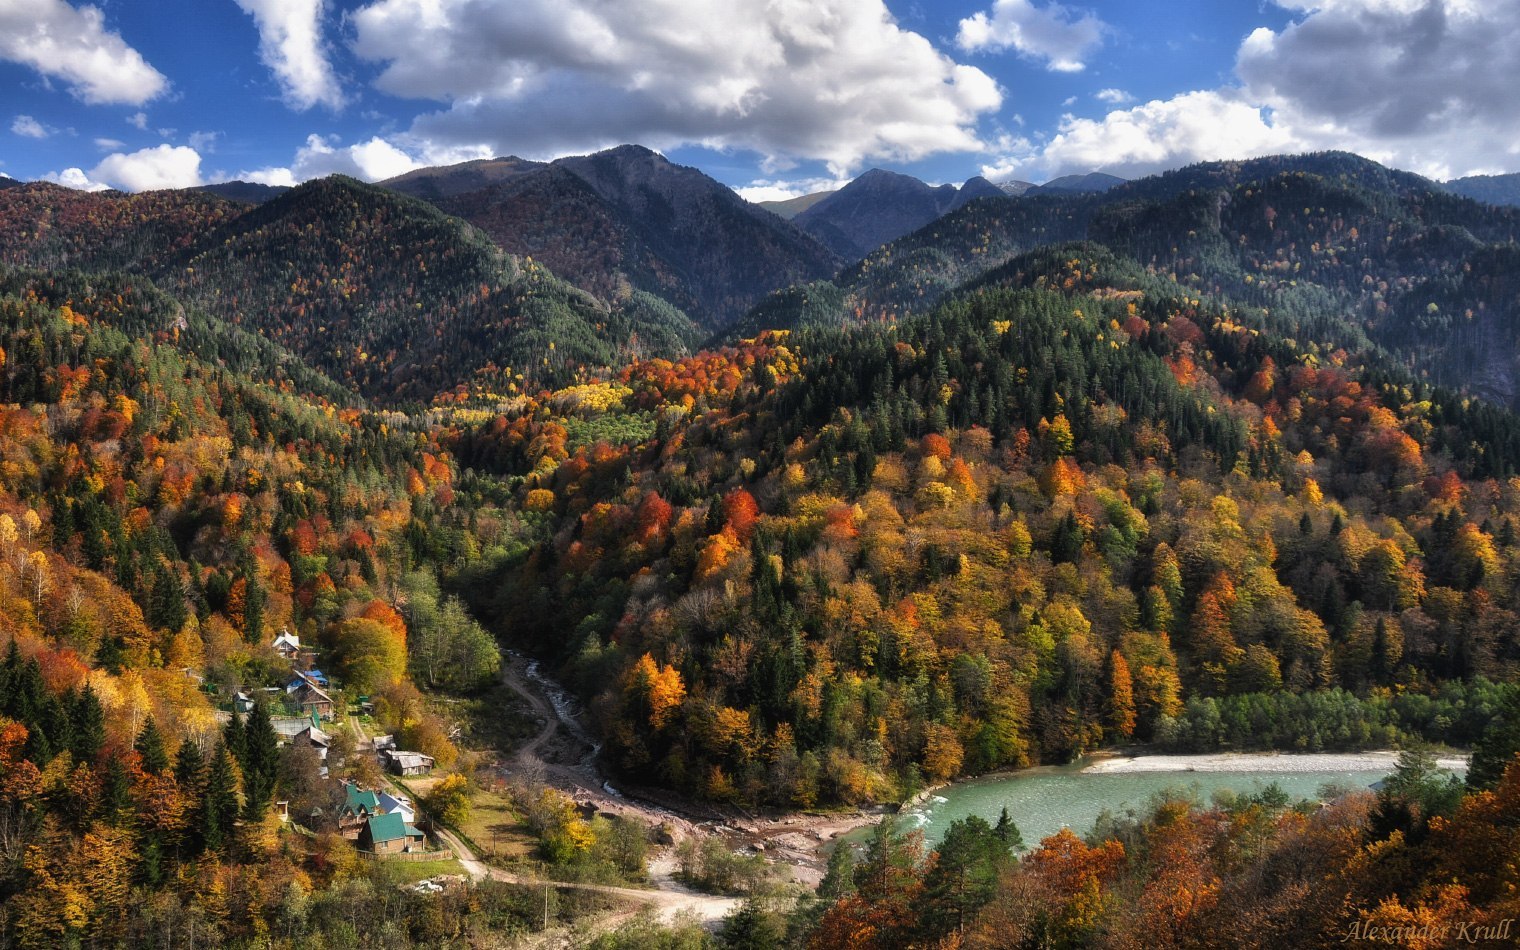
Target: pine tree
[
  {"x": 1496, "y": 750},
  {"x": 235, "y": 738},
  {"x": 115, "y": 792},
  {"x": 1008, "y": 832},
  {"x": 166, "y": 603},
  {"x": 219, "y": 807},
  {"x": 259, "y": 761},
  {"x": 839, "y": 880},
  {"x": 150, "y": 746},
  {"x": 190, "y": 769},
  {"x": 88, "y": 725}
]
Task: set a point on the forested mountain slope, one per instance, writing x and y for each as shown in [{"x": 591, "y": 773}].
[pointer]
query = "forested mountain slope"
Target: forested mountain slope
[
  {"x": 1082, "y": 508},
  {"x": 382, "y": 292},
  {"x": 172, "y": 497},
  {"x": 627, "y": 218},
  {"x": 1312, "y": 237}
]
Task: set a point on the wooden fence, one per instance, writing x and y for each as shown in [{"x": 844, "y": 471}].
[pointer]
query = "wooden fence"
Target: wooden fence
[{"x": 442, "y": 854}]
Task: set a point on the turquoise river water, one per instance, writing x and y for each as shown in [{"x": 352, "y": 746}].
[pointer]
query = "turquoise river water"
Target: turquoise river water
[{"x": 1043, "y": 800}]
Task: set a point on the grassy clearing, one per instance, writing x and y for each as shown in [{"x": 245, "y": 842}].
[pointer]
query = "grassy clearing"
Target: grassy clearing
[
  {"x": 404, "y": 872},
  {"x": 497, "y": 830}
]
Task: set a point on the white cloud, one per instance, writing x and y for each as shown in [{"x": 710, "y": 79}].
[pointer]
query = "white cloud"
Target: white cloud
[
  {"x": 290, "y": 44},
  {"x": 1426, "y": 84},
  {"x": 837, "y": 80},
  {"x": 204, "y": 142},
  {"x": 1053, "y": 34},
  {"x": 109, "y": 145},
  {"x": 138, "y": 120},
  {"x": 1158, "y": 135},
  {"x": 1114, "y": 97},
  {"x": 1417, "y": 84},
  {"x": 25, "y": 125},
  {"x": 164, "y": 166},
  {"x": 74, "y": 45},
  {"x": 75, "y": 178},
  {"x": 779, "y": 190},
  {"x": 371, "y": 161}
]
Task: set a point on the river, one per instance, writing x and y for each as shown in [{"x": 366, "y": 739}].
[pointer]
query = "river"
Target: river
[{"x": 1043, "y": 800}]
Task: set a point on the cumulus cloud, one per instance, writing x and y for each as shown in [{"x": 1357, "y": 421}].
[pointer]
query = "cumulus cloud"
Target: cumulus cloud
[
  {"x": 374, "y": 160},
  {"x": 109, "y": 145},
  {"x": 1424, "y": 83},
  {"x": 1114, "y": 97},
  {"x": 73, "y": 45},
  {"x": 1052, "y": 34},
  {"x": 28, "y": 127},
  {"x": 164, "y": 166},
  {"x": 1418, "y": 84},
  {"x": 290, "y": 44},
  {"x": 138, "y": 120},
  {"x": 837, "y": 80},
  {"x": 75, "y": 178},
  {"x": 1158, "y": 135}
]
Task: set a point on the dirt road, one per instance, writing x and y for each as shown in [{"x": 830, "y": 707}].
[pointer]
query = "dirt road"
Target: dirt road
[{"x": 669, "y": 901}]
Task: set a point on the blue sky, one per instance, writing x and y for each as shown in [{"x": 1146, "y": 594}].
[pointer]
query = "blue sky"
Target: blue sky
[{"x": 774, "y": 98}]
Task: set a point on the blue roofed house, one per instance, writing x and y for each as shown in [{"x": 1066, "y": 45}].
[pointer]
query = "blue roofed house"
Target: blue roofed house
[
  {"x": 397, "y": 805},
  {"x": 309, "y": 696}
]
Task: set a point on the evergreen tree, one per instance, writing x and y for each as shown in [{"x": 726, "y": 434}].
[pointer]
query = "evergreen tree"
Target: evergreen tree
[
  {"x": 260, "y": 760},
  {"x": 1496, "y": 750},
  {"x": 235, "y": 738},
  {"x": 115, "y": 792},
  {"x": 150, "y": 746},
  {"x": 166, "y": 603},
  {"x": 1008, "y": 832},
  {"x": 964, "y": 878},
  {"x": 839, "y": 879},
  {"x": 219, "y": 806}
]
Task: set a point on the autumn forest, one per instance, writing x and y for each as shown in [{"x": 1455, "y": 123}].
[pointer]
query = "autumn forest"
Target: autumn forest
[{"x": 1227, "y": 459}]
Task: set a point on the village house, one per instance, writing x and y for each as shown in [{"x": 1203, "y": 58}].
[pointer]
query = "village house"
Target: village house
[
  {"x": 309, "y": 696},
  {"x": 288, "y": 727},
  {"x": 316, "y": 738},
  {"x": 287, "y": 645},
  {"x": 408, "y": 763},
  {"x": 359, "y": 803},
  {"x": 397, "y": 805},
  {"x": 390, "y": 834}
]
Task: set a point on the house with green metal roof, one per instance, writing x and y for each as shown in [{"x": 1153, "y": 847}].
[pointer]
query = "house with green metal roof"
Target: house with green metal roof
[
  {"x": 390, "y": 834},
  {"x": 359, "y": 802}
]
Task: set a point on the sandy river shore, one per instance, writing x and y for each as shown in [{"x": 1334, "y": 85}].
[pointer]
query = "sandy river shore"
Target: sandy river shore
[{"x": 1259, "y": 762}]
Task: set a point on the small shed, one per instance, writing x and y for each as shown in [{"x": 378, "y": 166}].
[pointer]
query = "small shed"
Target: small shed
[{"x": 409, "y": 763}]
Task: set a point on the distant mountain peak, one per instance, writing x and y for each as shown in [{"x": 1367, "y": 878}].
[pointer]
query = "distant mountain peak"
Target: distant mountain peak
[{"x": 881, "y": 206}]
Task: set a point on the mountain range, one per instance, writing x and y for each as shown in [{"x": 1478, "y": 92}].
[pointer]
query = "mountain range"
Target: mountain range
[{"x": 624, "y": 252}]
